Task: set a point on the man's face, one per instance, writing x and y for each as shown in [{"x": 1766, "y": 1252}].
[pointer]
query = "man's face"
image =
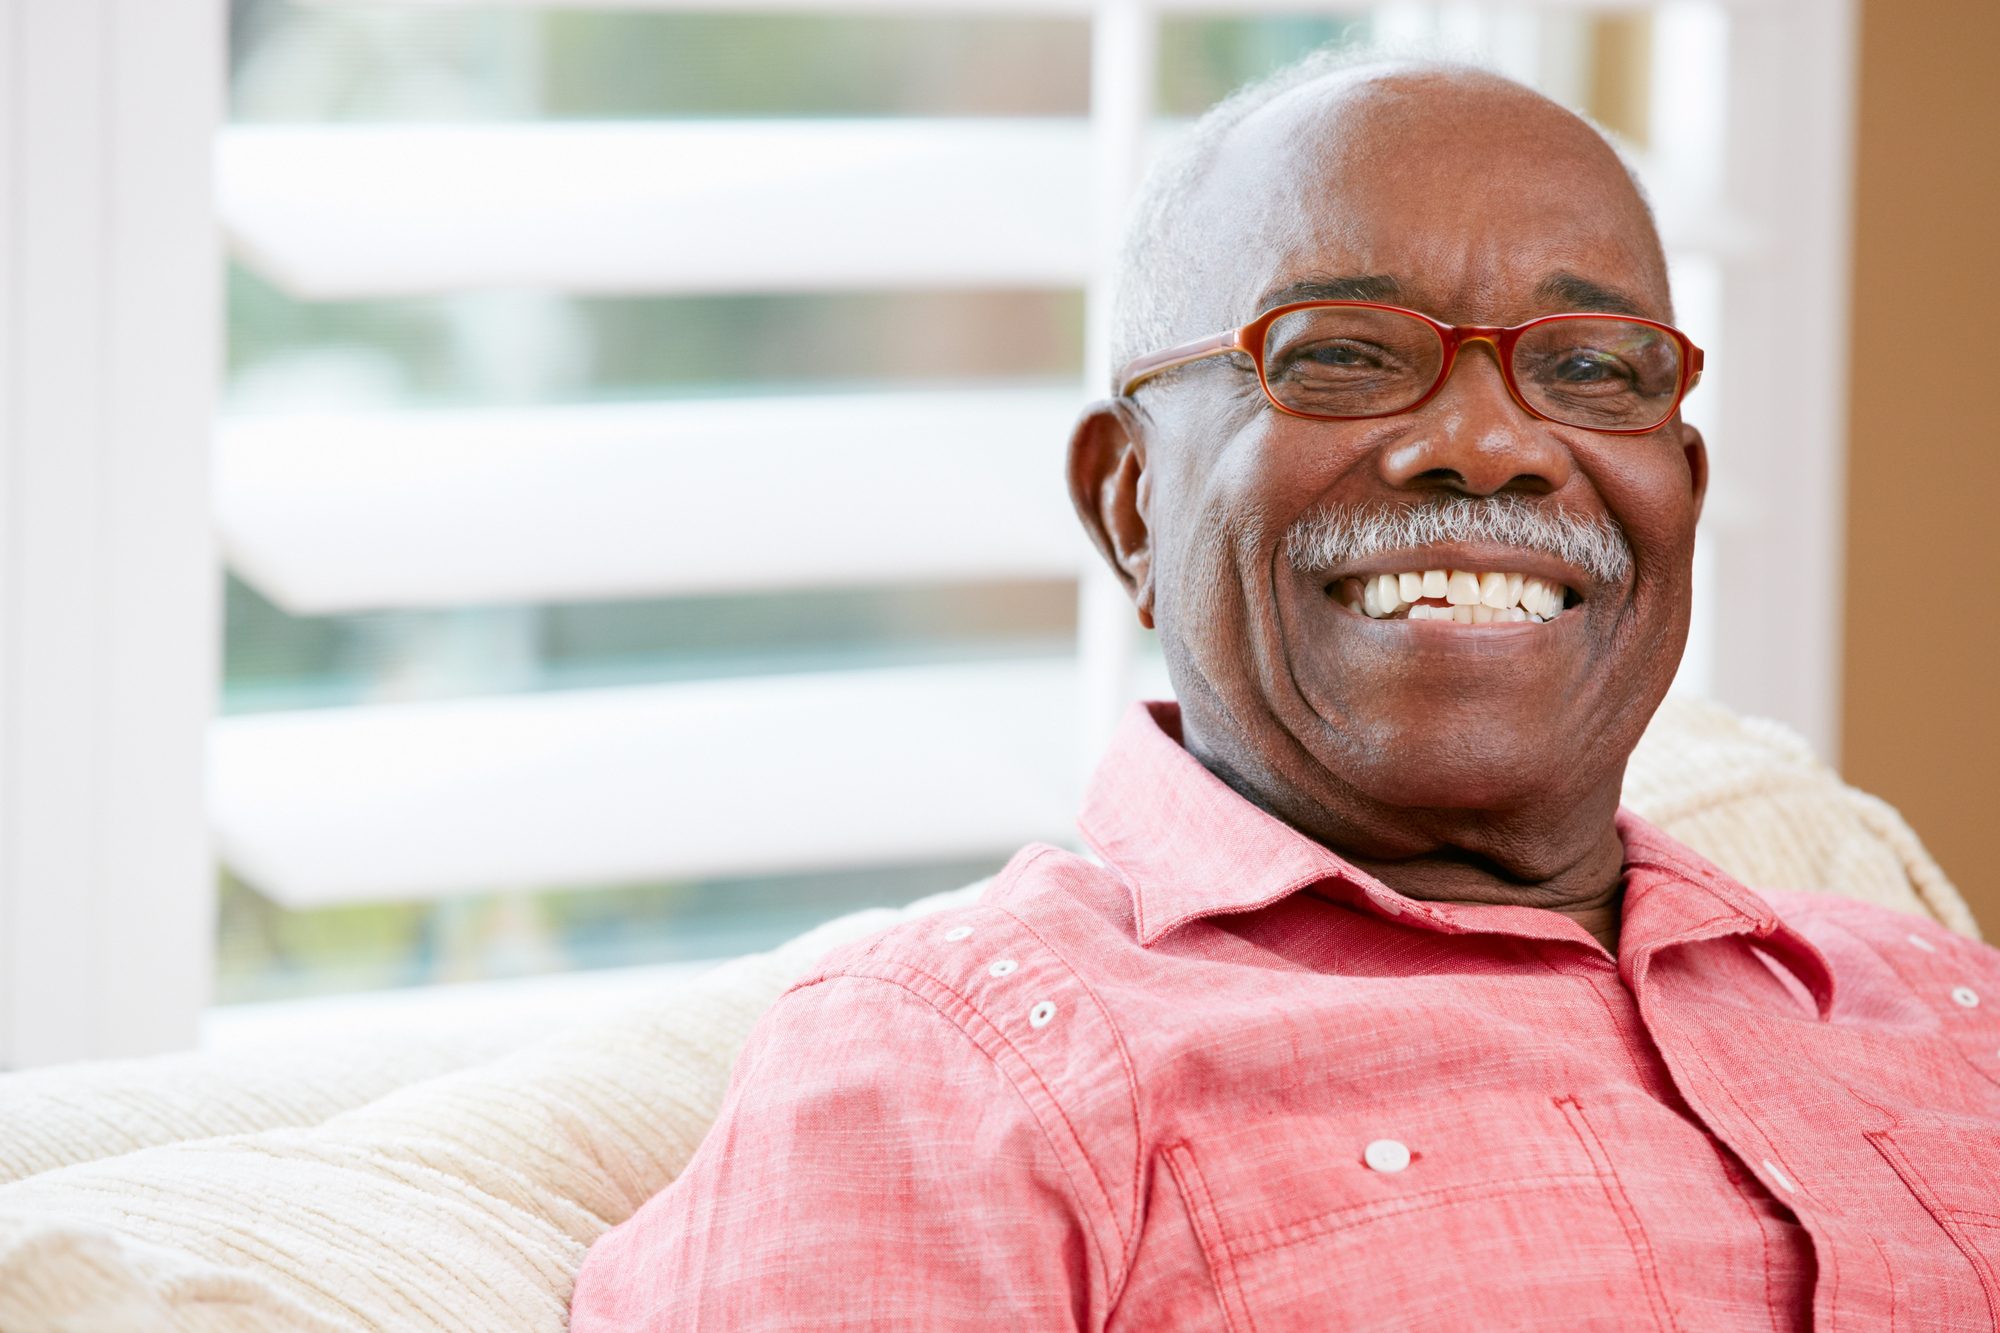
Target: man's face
[{"x": 1475, "y": 203}]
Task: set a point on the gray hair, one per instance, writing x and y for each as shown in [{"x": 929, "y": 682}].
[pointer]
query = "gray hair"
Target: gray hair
[
  {"x": 1162, "y": 258},
  {"x": 1331, "y": 536}
]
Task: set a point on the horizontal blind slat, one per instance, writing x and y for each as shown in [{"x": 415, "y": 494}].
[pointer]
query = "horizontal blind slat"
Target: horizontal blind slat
[
  {"x": 342, "y": 212},
  {"x": 334, "y": 513},
  {"x": 688, "y": 780}
]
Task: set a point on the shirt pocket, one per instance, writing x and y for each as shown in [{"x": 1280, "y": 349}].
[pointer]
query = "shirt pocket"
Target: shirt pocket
[
  {"x": 1955, "y": 1173},
  {"x": 1504, "y": 1215}
]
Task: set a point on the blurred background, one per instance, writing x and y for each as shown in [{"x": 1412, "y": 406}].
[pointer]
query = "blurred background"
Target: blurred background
[{"x": 598, "y": 509}]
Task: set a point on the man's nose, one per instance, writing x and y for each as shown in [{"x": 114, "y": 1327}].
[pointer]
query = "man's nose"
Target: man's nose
[{"x": 1474, "y": 438}]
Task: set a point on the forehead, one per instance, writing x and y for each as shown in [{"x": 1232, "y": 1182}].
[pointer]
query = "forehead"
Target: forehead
[{"x": 1474, "y": 195}]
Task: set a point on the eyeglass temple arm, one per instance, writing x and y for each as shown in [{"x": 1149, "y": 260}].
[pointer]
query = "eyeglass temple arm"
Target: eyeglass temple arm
[{"x": 1143, "y": 369}]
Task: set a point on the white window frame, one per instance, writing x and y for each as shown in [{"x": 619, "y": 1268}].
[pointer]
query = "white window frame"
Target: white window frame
[{"x": 109, "y": 358}]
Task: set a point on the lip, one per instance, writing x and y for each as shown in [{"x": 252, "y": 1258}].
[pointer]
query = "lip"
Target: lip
[
  {"x": 1449, "y": 634},
  {"x": 1443, "y": 641}
]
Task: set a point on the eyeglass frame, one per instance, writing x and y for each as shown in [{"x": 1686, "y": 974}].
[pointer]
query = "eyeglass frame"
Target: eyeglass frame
[{"x": 1249, "y": 340}]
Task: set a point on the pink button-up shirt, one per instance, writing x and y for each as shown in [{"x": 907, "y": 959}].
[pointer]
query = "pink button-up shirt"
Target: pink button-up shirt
[{"x": 1227, "y": 1081}]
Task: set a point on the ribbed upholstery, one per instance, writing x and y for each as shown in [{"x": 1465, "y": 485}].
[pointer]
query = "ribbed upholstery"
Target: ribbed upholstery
[{"x": 1749, "y": 794}]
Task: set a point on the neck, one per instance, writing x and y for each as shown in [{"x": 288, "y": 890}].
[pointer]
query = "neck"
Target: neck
[
  {"x": 1561, "y": 855},
  {"x": 1590, "y": 891}
]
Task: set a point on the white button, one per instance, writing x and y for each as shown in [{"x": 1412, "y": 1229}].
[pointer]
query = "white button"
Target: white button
[
  {"x": 1780, "y": 1176},
  {"x": 1003, "y": 968},
  {"x": 1923, "y": 943},
  {"x": 957, "y": 933},
  {"x": 1386, "y": 1156},
  {"x": 1039, "y": 1016},
  {"x": 1966, "y": 996}
]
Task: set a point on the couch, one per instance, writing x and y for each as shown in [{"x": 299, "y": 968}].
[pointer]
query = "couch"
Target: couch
[{"x": 455, "y": 1184}]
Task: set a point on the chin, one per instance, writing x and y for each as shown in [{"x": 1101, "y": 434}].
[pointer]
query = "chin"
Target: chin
[
  {"x": 1473, "y": 717},
  {"x": 1497, "y": 764}
]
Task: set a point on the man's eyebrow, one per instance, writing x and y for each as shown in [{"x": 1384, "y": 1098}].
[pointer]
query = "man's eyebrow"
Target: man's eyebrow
[
  {"x": 1363, "y": 287},
  {"x": 1582, "y": 294}
]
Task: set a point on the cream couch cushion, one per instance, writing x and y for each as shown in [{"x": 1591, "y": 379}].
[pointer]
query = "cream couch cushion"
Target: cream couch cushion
[
  {"x": 77, "y": 1113},
  {"x": 1749, "y": 795},
  {"x": 466, "y": 1201}
]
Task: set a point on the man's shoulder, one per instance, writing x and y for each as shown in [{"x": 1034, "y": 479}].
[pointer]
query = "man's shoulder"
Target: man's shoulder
[
  {"x": 1009, "y": 975},
  {"x": 1810, "y": 912},
  {"x": 1873, "y": 949},
  {"x": 1004, "y": 983},
  {"x": 1046, "y": 900}
]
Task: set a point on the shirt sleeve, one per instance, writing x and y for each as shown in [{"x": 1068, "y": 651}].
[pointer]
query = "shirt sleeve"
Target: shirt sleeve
[{"x": 871, "y": 1168}]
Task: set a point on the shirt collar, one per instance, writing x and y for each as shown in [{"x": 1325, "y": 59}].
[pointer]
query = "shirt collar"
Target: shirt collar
[
  {"x": 1674, "y": 896},
  {"x": 1189, "y": 847}
]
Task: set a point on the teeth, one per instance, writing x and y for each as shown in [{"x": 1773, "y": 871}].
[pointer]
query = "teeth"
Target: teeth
[
  {"x": 1380, "y": 597},
  {"x": 1490, "y": 598}
]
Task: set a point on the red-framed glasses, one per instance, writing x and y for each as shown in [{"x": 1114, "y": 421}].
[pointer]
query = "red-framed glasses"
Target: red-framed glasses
[{"x": 1350, "y": 360}]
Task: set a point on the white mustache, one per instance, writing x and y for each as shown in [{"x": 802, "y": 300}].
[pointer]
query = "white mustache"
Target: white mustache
[{"x": 1331, "y": 536}]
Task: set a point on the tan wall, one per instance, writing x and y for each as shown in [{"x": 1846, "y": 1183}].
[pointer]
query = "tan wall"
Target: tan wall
[{"x": 1921, "y": 716}]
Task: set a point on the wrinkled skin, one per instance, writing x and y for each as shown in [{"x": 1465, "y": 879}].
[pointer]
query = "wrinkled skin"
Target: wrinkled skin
[{"x": 1459, "y": 764}]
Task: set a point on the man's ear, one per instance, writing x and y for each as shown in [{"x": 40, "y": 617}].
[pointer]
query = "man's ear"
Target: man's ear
[
  {"x": 1696, "y": 450},
  {"x": 1108, "y": 485}
]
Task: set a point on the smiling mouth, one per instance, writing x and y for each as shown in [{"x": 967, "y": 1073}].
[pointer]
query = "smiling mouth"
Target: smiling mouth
[{"x": 1461, "y": 596}]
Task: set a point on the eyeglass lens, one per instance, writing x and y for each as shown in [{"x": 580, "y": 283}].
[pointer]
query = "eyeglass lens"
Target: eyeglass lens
[{"x": 1600, "y": 373}]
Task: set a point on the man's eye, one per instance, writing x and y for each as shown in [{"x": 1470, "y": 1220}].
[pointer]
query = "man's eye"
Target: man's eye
[
  {"x": 1339, "y": 356},
  {"x": 1342, "y": 355},
  {"x": 1587, "y": 367}
]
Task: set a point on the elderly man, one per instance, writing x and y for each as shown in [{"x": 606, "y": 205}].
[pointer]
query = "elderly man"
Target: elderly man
[{"x": 1373, "y": 1010}]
